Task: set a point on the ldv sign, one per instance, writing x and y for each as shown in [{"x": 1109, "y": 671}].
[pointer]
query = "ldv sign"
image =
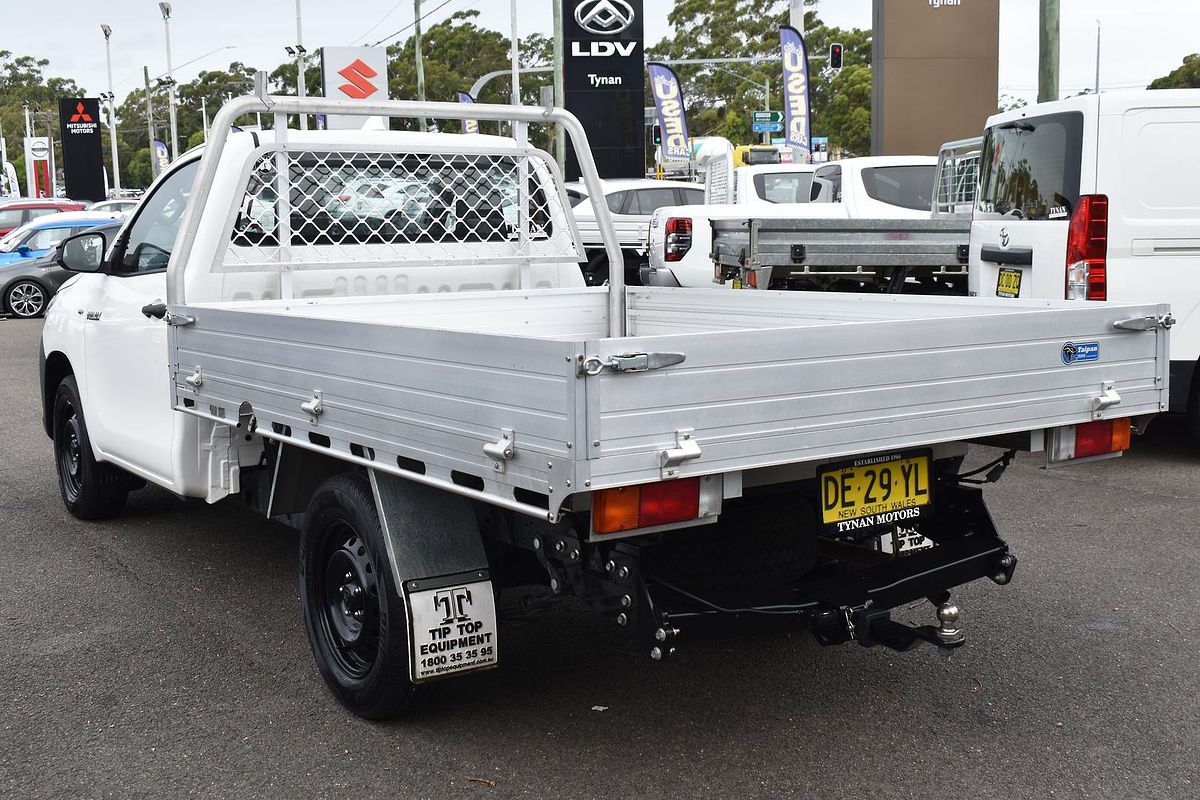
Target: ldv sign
[
  {"x": 605, "y": 83},
  {"x": 353, "y": 73}
]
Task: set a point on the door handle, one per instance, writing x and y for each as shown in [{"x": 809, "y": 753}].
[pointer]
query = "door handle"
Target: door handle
[{"x": 1011, "y": 255}]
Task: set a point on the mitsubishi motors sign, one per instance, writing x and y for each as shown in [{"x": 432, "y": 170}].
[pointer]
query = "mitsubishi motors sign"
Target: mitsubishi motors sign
[
  {"x": 83, "y": 161},
  {"x": 353, "y": 73}
]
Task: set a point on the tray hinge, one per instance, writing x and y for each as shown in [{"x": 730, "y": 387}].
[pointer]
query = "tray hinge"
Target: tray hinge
[
  {"x": 1164, "y": 321},
  {"x": 502, "y": 450},
  {"x": 315, "y": 407},
  {"x": 196, "y": 379},
  {"x": 1108, "y": 397},
  {"x": 686, "y": 449},
  {"x": 626, "y": 362}
]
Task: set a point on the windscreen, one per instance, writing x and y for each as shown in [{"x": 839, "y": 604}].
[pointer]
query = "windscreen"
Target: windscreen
[
  {"x": 758, "y": 156},
  {"x": 783, "y": 187},
  {"x": 906, "y": 186},
  {"x": 1030, "y": 167}
]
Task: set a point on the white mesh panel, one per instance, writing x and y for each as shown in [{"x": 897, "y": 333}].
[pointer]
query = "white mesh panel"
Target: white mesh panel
[{"x": 321, "y": 210}]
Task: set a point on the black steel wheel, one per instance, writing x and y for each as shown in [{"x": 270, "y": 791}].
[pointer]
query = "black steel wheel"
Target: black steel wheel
[
  {"x": 353, "y": 613},
  {"x": 26, "y": 299},
  {"x": 90, "y": 489}
]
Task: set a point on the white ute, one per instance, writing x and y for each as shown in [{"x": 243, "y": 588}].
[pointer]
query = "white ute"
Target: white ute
[
  {"x": 431, "y": 395},
  {"x": 839, "y": 236}
]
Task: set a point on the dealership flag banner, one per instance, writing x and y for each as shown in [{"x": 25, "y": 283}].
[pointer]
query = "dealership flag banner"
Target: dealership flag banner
[
  {"x": 159, "y": 159},
  {"x": 795, "y": 90},
  {"x": 668, "y": 100},
  {"x": 468, "y": 125}
]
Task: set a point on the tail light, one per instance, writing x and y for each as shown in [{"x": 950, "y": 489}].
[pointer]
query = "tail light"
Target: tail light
[
  {"x": 1101, "y": 438},
  {"x": 678, "y": 238},
  {"x": 345, "y": 198},
  {"x": 1087, "y": 249},
  {"x": 626, "y": 508}
]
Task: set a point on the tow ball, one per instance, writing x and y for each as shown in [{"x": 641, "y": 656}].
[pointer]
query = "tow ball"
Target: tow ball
[{"x": 870, "y": 627}]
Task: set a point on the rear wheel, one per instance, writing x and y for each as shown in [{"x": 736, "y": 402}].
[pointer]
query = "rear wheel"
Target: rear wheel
[
  {"x": 90, "y": 489},
  {"x": 353, "y": 613},
  {"x": 25, "y": 299}
]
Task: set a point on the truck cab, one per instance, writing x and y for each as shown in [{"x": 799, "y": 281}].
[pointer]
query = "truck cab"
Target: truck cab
[{"x": 877, "y": 187}]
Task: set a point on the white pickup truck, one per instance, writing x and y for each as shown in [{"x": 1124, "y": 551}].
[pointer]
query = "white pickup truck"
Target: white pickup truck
[
  {"x": 856, "y": 210},
  {"x": 444, "y": 410}
]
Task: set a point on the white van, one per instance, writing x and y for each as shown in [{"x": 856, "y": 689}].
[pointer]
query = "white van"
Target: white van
[{"x": 1097, "y": 198}]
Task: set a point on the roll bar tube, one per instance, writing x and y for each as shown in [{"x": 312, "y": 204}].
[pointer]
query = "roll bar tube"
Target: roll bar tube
[{"x": 223, "y": 122}]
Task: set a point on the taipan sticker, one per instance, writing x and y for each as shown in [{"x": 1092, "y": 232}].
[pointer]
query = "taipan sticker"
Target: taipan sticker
[
  {"x": 453, "y": 629},
  {"x": 1077, "y": 352}
]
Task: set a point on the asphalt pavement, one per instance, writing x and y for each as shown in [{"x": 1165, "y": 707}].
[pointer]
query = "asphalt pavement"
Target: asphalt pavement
[{"x": 162, "y": 655}]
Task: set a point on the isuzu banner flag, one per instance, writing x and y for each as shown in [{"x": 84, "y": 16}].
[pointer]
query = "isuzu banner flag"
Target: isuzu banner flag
[
  {"x": 83, "y": 161},
  {"x": 795, "y": 91},
  {"x": 672, "y": 118},
  {"x": 468, "y": 125},
  {"x": 353, "y": 73}
]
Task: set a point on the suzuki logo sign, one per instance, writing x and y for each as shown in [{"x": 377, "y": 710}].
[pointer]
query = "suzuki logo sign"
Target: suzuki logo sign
[
  {"x": 354, "y": 74},
  {"x": 358, "y": 74},
  {"x": 604, "y": 17}
]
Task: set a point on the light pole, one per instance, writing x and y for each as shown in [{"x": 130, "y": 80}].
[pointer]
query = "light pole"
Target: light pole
[
  {"x": 300, "y": 51},
  {"x": 165, "y": 8},
  {"x": 112, "y": 113},
  {"x": 421, "y": 123},
  {"x": 301, "y": 56}
]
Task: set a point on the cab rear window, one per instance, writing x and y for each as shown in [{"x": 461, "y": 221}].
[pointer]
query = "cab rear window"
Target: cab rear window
[
  {"x": 1029, "y": 168},
  {"x": 907, "y": 187}
]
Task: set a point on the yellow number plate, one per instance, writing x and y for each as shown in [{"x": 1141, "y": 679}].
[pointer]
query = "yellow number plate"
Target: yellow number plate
[
  {"x": 1008, "y": 283},
  {"x": 889, "y": 490}
]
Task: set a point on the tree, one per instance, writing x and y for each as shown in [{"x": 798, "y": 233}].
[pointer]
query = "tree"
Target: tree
[
  {"x": 456, "y": 52},
  {"x": 719, "y": 103},
  {"x": 1185, "y": 76}
]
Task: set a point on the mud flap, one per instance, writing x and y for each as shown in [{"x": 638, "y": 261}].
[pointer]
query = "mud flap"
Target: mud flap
[{"x": 436, "y": 555}]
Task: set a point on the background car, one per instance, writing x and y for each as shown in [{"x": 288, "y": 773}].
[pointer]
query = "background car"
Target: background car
[
  {"x": 113, "y": 206},
  {"x": 17, "y": 212},
  {"x": 41, "y": 236},
  {"x": 631, "y": 201},
  {"x": 27, "y": 286}
]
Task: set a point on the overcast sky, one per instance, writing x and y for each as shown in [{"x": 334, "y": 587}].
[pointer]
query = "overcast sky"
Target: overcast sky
[{"x": 1140, "y": 40}]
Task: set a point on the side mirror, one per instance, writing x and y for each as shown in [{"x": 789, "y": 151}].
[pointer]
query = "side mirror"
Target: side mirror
[
  {"x": 83, "y": 252},
  {"x": 24, "y": 250}
]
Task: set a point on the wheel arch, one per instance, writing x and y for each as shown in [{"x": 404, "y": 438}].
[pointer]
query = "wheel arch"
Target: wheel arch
[{"x": 53, "y": 368}]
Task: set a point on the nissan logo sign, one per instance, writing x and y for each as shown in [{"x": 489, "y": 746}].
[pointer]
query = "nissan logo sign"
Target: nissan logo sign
[
  {"x": 39, "y": 150},
  {"x": 604, "y": 17}
]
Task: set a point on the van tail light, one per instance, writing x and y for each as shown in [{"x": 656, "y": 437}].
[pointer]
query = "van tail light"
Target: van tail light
[
  {"x": 626, "y": 508},
  {"x": 1087, "y": 249},
  {"x": 678, "y": 238},
  {"x": 1101, "y": 438}
]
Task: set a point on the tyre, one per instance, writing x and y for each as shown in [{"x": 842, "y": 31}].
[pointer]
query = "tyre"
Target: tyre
[
  {"x": 26, "y": 299},
  {"x": 90, "y": 489},
  {"x": 353, "y": 613}
]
